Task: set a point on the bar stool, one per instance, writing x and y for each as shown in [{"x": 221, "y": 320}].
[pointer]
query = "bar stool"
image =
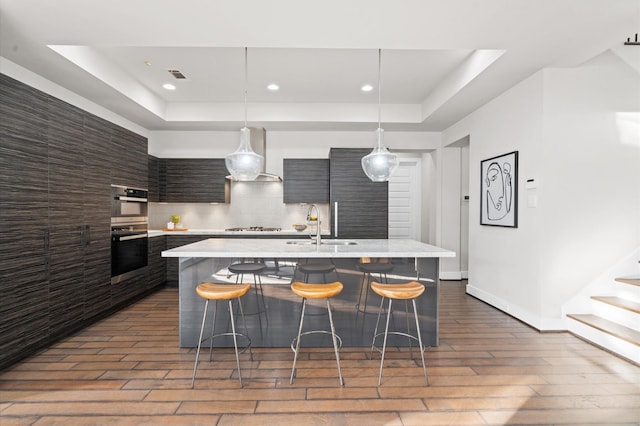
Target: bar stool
[
  {"x": 323, "y": 268},
  {"x": 381, "y": 267},
  {"x": 406, "y": 291},
  {"x": 255, "y": 269},
  {"x": 316, "y": 291},
  {"x": 217, "y": 292}
]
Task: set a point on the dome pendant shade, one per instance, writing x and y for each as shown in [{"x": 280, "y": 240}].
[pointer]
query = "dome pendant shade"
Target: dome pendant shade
[
  {"x": 379, "y": 164},
  {"x": 244, "y": 164}
]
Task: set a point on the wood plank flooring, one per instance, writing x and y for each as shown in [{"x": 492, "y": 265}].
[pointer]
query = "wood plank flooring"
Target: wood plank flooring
[{"x": 489, "y": 369}]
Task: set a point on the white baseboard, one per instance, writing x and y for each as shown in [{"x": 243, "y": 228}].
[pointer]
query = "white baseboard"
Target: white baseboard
[
  {"x": 542, "y": 324},
  {"x": 453, "y": 276}
]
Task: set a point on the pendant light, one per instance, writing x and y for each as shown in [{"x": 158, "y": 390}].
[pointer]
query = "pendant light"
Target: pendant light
[
  {"x": 244, "y": 163},
  {"x": 379, "y": 164}
]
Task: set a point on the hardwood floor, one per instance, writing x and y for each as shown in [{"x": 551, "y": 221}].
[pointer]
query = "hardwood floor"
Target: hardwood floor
[{"x": 488, "y": 369}]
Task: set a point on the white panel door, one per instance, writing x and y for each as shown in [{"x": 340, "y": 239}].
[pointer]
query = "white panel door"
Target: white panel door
[{"x": 404, "y": 200}]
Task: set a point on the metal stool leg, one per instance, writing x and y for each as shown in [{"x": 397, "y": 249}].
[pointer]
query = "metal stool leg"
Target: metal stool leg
[
  {"x": 424, "y": 367},
  {"x": 366, "y": 279},
  {"x": 195, "y": 365},
  {"x": 335, "y": 342},
  {"x": 259, "y": 291},
  {"x": 375, "y": 331},
  {"x": 213, "y": 328},
  {"x": 295, "y": 353},
  {"x": 235, "y": 339},
  {"x": 384, "y": 344},
  {"x": 259, "y": 287}
]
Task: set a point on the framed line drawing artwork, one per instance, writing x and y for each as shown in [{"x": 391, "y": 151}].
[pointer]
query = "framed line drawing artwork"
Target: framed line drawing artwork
[{"x": 499, "y": 190}]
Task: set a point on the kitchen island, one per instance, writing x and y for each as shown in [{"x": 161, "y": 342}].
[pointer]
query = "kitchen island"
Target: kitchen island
[{"x": 208, "y": 259}]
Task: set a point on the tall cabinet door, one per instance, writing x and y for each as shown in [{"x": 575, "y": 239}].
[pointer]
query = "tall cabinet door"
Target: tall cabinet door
[
  {"x": 23, "y": 217},
  {"x": 97, "y": 216},
  {"x": 362, "y": 205},
  {"x": 66, "y": 218}
]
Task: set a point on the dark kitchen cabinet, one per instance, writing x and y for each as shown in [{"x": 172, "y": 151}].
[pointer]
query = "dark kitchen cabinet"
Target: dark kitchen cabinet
[
  {"x": 362, "y": 205},
  {"x": 24, "y": 215},
  {"x": 129, "y": 164},
  {"x": 154, "y": 179},
  {"x": 66, "y": 216},
  {"x": 97, "y": 216},
  {"x": 193, "y": 180},
  {"x": 56, "y": 164},
  {"x": 157, "y": 274},
  {"x": 306, "y": 180}
]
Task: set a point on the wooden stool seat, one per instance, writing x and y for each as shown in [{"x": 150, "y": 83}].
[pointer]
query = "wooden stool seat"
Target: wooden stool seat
[
  {"x": 409, "y": 290},
  {"x": 227, "y": 293},
  {"x": 213, "y": 291},
  {"x": 317, "y": 291},
  {"x": 403, "y": 291}
]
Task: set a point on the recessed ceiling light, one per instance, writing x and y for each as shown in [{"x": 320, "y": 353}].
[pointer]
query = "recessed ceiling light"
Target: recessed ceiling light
[
  {"x": 366, "y": 88},
  {"x": 273, "y": 87},
  {"x": 169, "y": 86}
]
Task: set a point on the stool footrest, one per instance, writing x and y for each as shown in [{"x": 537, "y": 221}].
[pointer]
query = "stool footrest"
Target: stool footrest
[
  {"x": 396, "y": 333},
  {"x": 293, "y": 342},
  {"x": 229, "y": 334}
]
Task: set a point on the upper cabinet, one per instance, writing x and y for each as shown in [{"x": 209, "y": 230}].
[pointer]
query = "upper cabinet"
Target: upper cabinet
[
  {"x": 154, "y": 179},
  {"x": 128, "y": 158},
  {"x": 359, "y": 205},
  {"x": 193, "y": 180},
  {"x": 306, "y": 180}
]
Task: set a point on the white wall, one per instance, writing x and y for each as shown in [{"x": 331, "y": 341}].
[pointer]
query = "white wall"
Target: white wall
[
  {"x": 562, "y": 122},
  {"x": 449, "y": 212},
  {"x": 593, "y": 225}
]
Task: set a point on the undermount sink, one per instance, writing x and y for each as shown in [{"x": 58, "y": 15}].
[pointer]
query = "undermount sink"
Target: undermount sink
[
  {"x": 338, "y": 242},
  {"x": 323, "y": 242}
]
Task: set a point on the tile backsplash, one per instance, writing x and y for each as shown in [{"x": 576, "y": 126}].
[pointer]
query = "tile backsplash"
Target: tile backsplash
[{"x": 252, "y": 204}]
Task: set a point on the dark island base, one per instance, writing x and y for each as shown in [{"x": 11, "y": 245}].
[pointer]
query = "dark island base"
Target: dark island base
[{"x": 278, "y": 326}]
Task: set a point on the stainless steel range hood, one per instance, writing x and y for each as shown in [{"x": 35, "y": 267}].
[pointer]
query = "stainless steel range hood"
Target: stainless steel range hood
[{"x": 259, "y": 145}]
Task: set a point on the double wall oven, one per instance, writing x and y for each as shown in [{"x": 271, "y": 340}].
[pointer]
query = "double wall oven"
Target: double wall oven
[{"x": 129, "y": 226}]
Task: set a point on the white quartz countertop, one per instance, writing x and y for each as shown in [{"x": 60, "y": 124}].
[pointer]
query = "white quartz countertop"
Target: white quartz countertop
[
  {"x": 222, "y": 232},
  {"x": 279, "y": 248}
]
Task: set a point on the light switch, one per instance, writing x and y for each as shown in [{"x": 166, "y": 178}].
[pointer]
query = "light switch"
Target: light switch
[{"x": 532, "y": 200}]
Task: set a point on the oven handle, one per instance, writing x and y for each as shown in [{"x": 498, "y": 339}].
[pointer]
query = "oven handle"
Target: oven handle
[
  {"x": 138, "y": 200},
  {"x": 132, "y": 237}
]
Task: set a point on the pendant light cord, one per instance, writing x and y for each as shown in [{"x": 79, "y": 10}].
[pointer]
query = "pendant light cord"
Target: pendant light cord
[
  {"x": 246, "y": 83},
  {"x": 379, "y": 90}
]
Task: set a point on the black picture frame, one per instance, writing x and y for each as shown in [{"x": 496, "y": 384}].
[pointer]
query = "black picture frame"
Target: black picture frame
[{"x": 499, "y": 190}]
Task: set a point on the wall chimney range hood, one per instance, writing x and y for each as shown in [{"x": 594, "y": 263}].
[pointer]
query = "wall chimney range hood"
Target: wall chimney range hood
[{"x": 259, "y": 145}]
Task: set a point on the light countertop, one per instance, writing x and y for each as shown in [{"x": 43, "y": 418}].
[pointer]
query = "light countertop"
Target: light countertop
[
  {"x": 278, "y": 248},
  {"x": 221, "y": 232}
]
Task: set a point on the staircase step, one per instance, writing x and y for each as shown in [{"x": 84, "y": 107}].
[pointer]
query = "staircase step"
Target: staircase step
[
  {"x": 619, "y": 302},
  {"x": 609, "y": 327},
  {"x": 633, "y": 280}
]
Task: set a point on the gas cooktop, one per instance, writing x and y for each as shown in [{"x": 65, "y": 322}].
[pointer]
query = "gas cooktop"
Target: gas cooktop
[{"x": 254, "y": 228}]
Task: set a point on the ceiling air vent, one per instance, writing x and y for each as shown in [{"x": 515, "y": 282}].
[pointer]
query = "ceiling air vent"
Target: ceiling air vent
[{"x": 177, "y": 74}]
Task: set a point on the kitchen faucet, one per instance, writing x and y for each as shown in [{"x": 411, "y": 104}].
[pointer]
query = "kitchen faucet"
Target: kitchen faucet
[{"x": 311, "y": 207}]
